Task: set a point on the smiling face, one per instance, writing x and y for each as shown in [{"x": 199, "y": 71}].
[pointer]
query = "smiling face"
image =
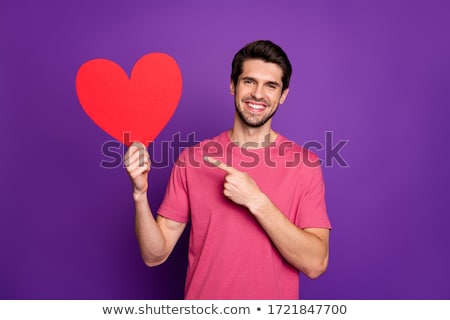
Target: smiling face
[{"x": 258, "y": 92}]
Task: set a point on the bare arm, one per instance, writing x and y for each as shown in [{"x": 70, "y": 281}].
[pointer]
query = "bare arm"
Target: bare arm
[
  {"x": 305, "y": 249},
  {"x": 156, "y": 238}
]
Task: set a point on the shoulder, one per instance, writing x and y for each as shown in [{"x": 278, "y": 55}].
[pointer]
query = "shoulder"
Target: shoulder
[
  {"x": 298, "y": 154},
  {"x": 216, "y": 141},
  {"x": 195, "y": 153}
]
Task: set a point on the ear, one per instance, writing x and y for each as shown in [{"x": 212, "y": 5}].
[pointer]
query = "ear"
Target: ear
[
  {"x": 232, "y": 87},
  {"x": 284, "y": 95}
]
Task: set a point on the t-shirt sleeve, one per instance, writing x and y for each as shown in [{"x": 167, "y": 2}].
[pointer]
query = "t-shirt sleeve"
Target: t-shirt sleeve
[
  {"x": 313, "y": 210},
  {"x": 175, "y": 204}
]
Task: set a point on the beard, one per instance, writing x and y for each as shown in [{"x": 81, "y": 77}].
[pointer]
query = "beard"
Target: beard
[{"x": 251, "y": 120}]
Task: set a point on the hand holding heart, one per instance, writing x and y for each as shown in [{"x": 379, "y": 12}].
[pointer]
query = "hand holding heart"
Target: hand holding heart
[
  {"x": 137, "y": 162},
  {"x": 239, "y": 187}
]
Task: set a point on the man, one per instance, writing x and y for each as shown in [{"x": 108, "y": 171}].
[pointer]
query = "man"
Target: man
[{"x": 255, "y": 199}]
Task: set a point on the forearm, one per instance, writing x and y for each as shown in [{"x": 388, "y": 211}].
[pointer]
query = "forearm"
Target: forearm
[
  {"x": 149, "y": 235},
  {"x": 304, "y": 250}
]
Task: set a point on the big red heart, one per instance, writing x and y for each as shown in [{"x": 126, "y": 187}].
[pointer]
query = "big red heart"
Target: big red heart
[{"x": 135, "y": 108}]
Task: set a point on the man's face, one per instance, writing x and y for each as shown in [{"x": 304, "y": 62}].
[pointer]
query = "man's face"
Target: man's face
[{"x": 258, "y": 92}]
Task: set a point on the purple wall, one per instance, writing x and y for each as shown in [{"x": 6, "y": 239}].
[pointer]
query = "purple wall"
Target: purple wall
[{"x": 376, "y": 75}]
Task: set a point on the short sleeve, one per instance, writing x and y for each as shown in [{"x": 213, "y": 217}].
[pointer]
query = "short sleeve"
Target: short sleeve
[
  {"x": 175, "y": 204},
  {"x": 313, "y": 210}
]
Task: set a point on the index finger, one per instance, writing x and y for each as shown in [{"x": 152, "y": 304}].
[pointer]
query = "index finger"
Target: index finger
[
  {"x": 135, "y": 147},
  {"x": 135, "y": 151},
  {"x": 219, "y": 164}
]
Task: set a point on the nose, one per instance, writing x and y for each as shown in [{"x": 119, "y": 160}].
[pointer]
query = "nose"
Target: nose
[{"x": 258, "y": 91}]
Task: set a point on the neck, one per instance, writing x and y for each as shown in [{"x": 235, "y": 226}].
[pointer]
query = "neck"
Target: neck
[{"x": 244, "y": 135}]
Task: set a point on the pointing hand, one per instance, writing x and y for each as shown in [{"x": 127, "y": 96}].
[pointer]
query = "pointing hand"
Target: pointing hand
[{"x": 239, "y": 187}]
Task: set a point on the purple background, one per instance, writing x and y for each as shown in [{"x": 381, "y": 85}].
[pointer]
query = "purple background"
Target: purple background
[{"x": 375, "y": 74}]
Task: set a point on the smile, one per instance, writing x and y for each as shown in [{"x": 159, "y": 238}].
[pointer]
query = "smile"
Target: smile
[{"x": 255, "y": 107}]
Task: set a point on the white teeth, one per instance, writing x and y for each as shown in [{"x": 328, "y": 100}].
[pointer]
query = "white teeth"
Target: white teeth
[{"x": 256, "y": 106}]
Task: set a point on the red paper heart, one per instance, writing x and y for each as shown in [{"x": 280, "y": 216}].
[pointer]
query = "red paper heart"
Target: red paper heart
[{"x": 135, "y": 108}]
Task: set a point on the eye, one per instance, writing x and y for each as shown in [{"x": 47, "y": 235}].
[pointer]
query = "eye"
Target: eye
[
  {"x": 272, "y": 86},
  {"x": 248, "y": 81}
]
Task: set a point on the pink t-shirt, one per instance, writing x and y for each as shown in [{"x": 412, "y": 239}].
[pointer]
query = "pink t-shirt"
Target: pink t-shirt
[{"x": 230, "y": 255}]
